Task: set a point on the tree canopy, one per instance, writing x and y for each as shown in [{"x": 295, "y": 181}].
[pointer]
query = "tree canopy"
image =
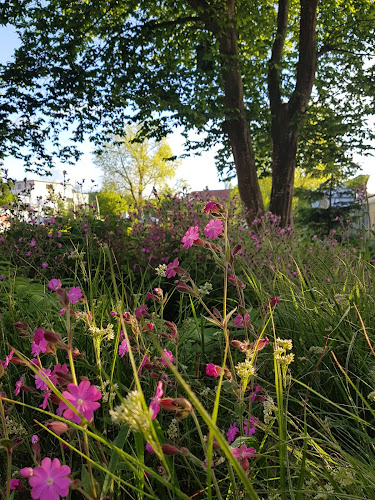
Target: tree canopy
[
  {"x": 131, "y": 166},
  {"x": 259, "y": 78}
]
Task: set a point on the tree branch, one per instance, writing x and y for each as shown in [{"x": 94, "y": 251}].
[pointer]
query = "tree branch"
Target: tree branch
[
  {"x": 274, "y": 64},
  {"x": 306, "y": 65}
]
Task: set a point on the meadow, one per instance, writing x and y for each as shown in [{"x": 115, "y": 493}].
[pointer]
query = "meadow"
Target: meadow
[{"x": 183, "y": 354}]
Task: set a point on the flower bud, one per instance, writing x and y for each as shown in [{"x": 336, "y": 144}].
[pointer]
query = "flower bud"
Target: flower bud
[
  {"x": 57, "y": 427},
  {"x": 181, "y": 406},
  {"x": 63, "y": 297}
]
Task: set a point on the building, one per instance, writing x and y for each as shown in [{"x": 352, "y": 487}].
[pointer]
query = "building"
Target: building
[{"x": 41, "y": 195}]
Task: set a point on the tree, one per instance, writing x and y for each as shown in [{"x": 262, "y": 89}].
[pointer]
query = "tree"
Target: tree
[
  {"x": 132, "y": 166},
  {"x": 246, "y": 73}
]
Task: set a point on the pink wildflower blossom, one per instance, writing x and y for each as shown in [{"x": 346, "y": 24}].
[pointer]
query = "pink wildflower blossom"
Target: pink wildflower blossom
[
  {"x": 171, "y": 270},
  {"x": 140, "y": 311},
  {"x": 167, "y": 355},
  {"x": 244, "y": 453},
  {"x": 53, "y": 284},
  {"x": 39, "y": 344},
  {"x": 123, "y": 348},
  {"x": 18, "y": 386},
  {"x": 74, "y": 294},
  {"x": 32, "y": 243},
  {"x": 83, "y": 397},
  {"x": 191, "y": 235},
  {"x": 39, "y": 383},
  {"x": 211, "y": 370},
  {"x": 214, "y": 228},
  {"x": 14, "y": 483},
  {"x": 44, "y": 265},
  {"x": 249, "y": 427},
  {"x": 49, "y": 482},
  {"x": 7, "y": 359},
  {"x": 239, "y": 320},
  {"x": 46, "y": 396},
  {"x": 232, "y": 432},
  {"x": 154, "y": 405}
]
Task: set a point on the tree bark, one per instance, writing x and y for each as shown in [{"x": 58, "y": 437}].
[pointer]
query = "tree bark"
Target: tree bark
[
  {"x": 236, "y": 126},
  {"x": 287, "y": 117}
]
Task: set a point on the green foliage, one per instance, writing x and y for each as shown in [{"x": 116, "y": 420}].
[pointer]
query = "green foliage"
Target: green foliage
[
  {"x": 110, "y": 201},
  {"x": 97, "y": 67},
  {"x": 130, "y": 166}
]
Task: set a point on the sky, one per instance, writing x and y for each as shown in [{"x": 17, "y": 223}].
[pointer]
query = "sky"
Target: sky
[{"x": 199, "y": 172}]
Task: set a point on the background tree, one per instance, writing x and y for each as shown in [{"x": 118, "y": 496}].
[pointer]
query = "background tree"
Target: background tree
[
  {"x": 246, "y": 73},
  {"x": 132, "y": 167}
]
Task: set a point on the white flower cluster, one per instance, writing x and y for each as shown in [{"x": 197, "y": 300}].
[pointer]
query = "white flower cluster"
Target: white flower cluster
[
  {"x": 107, "y": 395},
  {"x": 131, "y": 412},
  {"x": 268, "y": 409},
  {"x": 106, "y": 332},
  {"x": 245, "y": 369},
  {"x": 205, "y": 289},
  {"x": 173, "y": 430},
  {"x": 160, "y": 270},
  {"x": 281, "y": 346}
]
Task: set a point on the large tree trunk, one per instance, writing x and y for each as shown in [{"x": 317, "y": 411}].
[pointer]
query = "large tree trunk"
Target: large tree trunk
[
  {"x": 287, "y": 117},
  {"x": 223, "y": 25}
]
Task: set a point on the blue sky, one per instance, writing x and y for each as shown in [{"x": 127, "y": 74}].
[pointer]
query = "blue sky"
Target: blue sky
[{"x": 198, "y": 171}]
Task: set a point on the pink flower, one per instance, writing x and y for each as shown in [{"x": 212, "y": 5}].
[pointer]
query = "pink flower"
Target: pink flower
[
  {"x": 44, "y": 265},
  {"x": 232, "y": 432},
  {"x": 244, "y": 452},
  {"x": 191, "y": 235},
  {"x": 249, "y": 428},
  {"x": 167, "y": 355},
  {"x": 213, "y": 207},
  {"x": 211, "y": 370},
  {"x": 239, "y": 320},
  {"x": 46, "y": 396},
  {"x": 7, "y": 359},
  {"x": 49, "y": 482},
  {"x": 39, "y": 344},
  {"x": 14, "y": 483},
  {"x": 274, "y": 301},
  {"x": 154, "y": 405},
  {"x": 150, "y": 449},
  {"x": 140, "y": 311},
  {"x": 144, "y": 361},
  {"x": 53, "y": 284},
  {"x": 18, "y": 386},
  {"x": 39, "y": 383},
  {"x": 32, "y": 243},
  {"x": 74, "y": 294},
  {"x": 83, "y": 397},
  {"x": 171, "y": 270},
  {"x": 123, "y": 348},
  {"x": 214, "y": 228}
]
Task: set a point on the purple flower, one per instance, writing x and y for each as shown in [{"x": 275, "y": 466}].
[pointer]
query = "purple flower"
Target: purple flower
[
  {"x": 171, "y": 270},
  {"x": 39, "y": 343},
  {"x": 44, "y": 265},
  {"x": 18, "y": 386},
  {"x": 39, "y": 383},
  {"x": 154, "y": 405},
  {"x": 7, "y": 359},
  {"x": 239, "y": 320},
  {"x": 211, "y": 370},
  {"x": 191, "y": 235},
  {"x": 123, "y": 348},
  {"x": 244, "y": 452},
  {"x": 249, "y": 428},
  {"x": 140, "y": 311},
  {"x": 14, "y": 483},
  {"x": 214, "y": 228},
  {"x": 50, "y": 481},
  {"x": 232, "y": 432},
  {"x": 83, "y": 397},
  {"x": 167, "y": 355},
  {"x": 74, "y": 294},
  {"x": 53, "y": 284}
]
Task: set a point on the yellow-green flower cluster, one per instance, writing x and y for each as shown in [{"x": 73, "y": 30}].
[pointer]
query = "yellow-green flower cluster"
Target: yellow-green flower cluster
[
  {"x": 132, "y": 412},
  {"x": 245, "y": 369},
  {"x": 281, "y": 346}
]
